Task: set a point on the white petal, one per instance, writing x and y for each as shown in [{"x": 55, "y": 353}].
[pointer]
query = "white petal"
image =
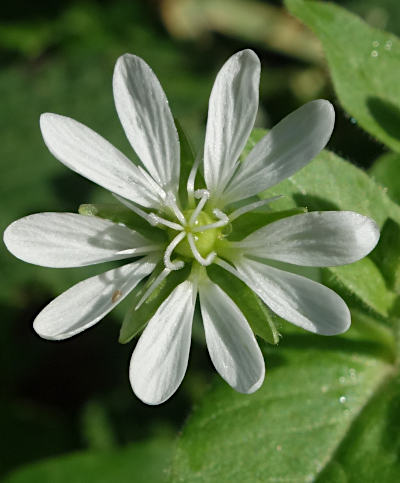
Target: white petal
[
  {"x": 147, "y": 120},
  {"x": 87, "y": 302},
  {"x": 90, "y": 155},
  {"x": 317, "y": 239},
  {"x": 230, "y": 341},
  {"x": 160, "y": 358},
  {"x": 297, "y": 299},
  {"x": 231, "y": 113},
  {"x": 289, "y": 146},
  {"x": 62, "y": 240}
]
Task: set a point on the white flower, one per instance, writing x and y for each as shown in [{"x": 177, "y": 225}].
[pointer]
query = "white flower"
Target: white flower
[{"x": 194, "y": 228}]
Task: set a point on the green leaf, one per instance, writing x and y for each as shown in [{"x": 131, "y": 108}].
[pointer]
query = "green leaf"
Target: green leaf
[
  {"x": 136, "y": 320},
  {"x": 386, "y": 171},
  {"x": 370, "y": 453},
  {"x": 364, "y": 63},
  {"x": 303, "y": 418},
  {"x": 361, "y": 282},
  {"x": 330, "y": 183},
  {"x": 260, "y": 318},
  {"x": 140, "y": 462},
  {"x": 387, "y": 254}
]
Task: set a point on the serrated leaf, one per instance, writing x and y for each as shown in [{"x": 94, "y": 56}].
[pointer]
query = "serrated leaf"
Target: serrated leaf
[
  {"x": 361, "y": 282},
  {"x": 331, "y": 183},
  {"x": 140, "y": 462},
  {"x": 308, "y": 409},
  {"x": 364, "y": 64},
  {"x": 136, "y": 320},
  {"x": 260, "y": 318},
  {"x": 387, "y": 256},
  {"x": 386, "y": 171}
]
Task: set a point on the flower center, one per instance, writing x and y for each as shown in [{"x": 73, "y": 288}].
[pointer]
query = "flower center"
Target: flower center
[{"x": 204, "y": 240}]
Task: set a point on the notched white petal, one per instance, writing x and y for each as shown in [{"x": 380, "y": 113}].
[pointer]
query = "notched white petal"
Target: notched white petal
[
  {"x": 160, "y": 358},
  {"x": 230, "y": 341},
  {"x": 62, "y": 240},
  {"x": 147, "y": 120},
  {"x": 316, "y": 239},
  {"x": 288, "y": 147},
  {"x": 87, "y": 302},
  {"x": 303, "y": 302},
  {"x": 231, "y": 113},
  {"x": 90, "y": 155}
]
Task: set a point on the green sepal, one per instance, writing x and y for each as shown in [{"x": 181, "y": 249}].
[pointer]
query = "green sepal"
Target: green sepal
[
  {"x": 386, "y": 254},
  {"x": 136, "y": 320},
  {"x": 120, "y": 214},
  {"x": 249, "y": 222},
  {"x": 260, "y": 318}
]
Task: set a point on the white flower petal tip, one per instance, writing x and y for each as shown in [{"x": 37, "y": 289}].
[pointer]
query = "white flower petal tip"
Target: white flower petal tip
[
  {"x": 285, "y": 149},
  {"x": 315, "y": 239},
  {"x": 231, "y": 343},
  {"x": 145, "y": 115},
  {"x": 87, "y": 302},
  {"x": 90, "y": 155},
  {"x": 232, "y": 111},
  {"x": 301, "y": 301},
  {"x": 160, "y": 358}
]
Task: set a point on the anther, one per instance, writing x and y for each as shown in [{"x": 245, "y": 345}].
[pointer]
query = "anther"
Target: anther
[
  {"x": 203, "y": 195},
  {"x": 223, "y": 221},
  {"x": 158, "y": 220}
]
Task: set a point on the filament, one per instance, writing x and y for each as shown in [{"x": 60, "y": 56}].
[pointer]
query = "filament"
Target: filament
[
  {"x": 171, "y": 203},
  {"x": 223, "y": 220},
  {"x": 177, "y": 265},
  {"x": 158, "y": 220},
  {"x": 203, "y": 261},
  {"x": 162, "y": 276},
  {"x": 203, "y": 195}
]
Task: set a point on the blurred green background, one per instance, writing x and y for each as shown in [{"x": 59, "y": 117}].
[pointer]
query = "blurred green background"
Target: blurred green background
[{"x": 72, "y": 396}]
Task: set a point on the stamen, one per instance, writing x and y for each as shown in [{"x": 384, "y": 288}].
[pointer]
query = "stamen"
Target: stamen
[
  {"x": 133, "y": 207},
  {"x": 223, "y": 221},
  {"x": 162, "y": 276},
  {"x": 252, "y": 206},
  {"x": 203, "y": 261},
  {"x": 171, "y": 203},
  {"x": 203, "y": 195},
  {"x": 192, "y": 178},
  {"x": 158, "y": 220},
  {"x": 177, "y": 265}
]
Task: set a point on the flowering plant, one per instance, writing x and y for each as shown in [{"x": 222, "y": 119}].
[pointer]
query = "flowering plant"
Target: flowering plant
[{"x": 193, "y": 228}]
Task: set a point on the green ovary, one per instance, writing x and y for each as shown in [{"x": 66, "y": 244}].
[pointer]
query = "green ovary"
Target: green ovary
[{"x": 204, "y": 240}]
